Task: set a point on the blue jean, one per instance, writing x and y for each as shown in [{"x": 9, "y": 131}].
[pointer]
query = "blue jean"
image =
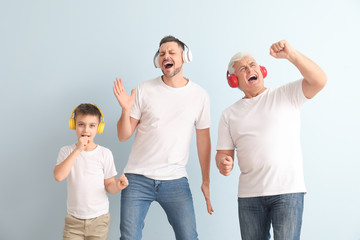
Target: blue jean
[
  {"x": 284, "y": 212},
  {"x": 174, "y": 196}
]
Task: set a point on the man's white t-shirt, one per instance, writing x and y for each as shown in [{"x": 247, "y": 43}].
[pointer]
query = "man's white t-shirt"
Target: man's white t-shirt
[
  {"x": 265, "y": 131},
  {"x": 167, "y": 117},
  {"x": 85, "y": 183}
]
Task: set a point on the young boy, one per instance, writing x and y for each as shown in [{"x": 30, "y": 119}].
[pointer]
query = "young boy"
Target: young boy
[{"x": 89, "y": 169}]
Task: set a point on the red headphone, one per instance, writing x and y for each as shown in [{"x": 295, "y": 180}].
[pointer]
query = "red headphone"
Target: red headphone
[{"x": 234, "y": 82}]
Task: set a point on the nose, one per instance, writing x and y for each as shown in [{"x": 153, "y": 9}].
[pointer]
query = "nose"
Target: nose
[{"x": 166, "y": 55}]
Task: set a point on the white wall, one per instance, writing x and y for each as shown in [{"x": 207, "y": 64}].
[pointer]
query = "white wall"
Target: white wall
[{"x": 57, "y": 54}]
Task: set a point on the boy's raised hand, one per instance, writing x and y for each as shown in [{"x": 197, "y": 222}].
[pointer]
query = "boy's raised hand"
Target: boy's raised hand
[
  {"x": 125, "y": 101},
  {"x": 82, "y": 143},
  {"x": 122, "y": 182}
]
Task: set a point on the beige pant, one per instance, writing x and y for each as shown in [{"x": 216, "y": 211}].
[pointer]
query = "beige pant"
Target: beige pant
[{"x": 86, "y": 229}]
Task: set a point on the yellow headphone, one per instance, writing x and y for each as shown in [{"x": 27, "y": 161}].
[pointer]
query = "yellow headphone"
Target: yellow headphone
[{"x": 101, "y": 126}]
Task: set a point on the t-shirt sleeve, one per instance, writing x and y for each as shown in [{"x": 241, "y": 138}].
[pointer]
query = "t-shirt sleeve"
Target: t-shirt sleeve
[
  {"x": 295, "y": 93},
  {"x": 109, "y": 165},
  {"x": 203, "y": 120},
  {"x": 63, "y": 154},
  {"x": 225, "y": 141}
]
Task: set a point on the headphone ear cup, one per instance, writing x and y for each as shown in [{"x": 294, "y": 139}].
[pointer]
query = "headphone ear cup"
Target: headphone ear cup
[
  {"x": 72, "y": 123},
  {"x": 156, "y": 60},
  {"x": 263, "y": 71},
  {"x": 187, "y": 55},
  {"x": 232, "y": 80},
  {"x": 101, "y": 127}
]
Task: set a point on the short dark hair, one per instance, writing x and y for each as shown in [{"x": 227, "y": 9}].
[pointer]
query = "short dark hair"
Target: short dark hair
[
  {"x": 172, "y": 39},
  {"x": 87, "y": 109}
]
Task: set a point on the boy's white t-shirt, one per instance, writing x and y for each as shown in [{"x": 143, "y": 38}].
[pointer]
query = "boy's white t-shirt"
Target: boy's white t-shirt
[
  {"x": 167, "y": 117},
  {"x": 85, "y": 183},
  {"x": 265, "y": 131}
]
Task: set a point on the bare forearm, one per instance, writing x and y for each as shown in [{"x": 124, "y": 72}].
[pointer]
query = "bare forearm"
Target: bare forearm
[
  {"x": 124, "y": 128},
  {"x": 204, "y": 153},
  {"x": 112, "y": 188},
  {"x": 205, "y": 166},
  {"x": 314, "y": 78},
  {"x": 311, "y": 72},
  {"x": 62, "y": 170}
]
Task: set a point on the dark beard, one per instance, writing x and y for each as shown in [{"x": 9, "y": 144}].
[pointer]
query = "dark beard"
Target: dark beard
[{"x": 176, "y": 71}]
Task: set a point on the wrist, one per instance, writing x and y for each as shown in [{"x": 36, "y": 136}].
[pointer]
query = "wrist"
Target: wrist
[
  {"x": 206, "y": 182},
  {"x": 217, "y": 162},
  {"x": 78, "y": 148},
  {"x": 126, "y": 109},
  {"x": 293, "y": 56}
]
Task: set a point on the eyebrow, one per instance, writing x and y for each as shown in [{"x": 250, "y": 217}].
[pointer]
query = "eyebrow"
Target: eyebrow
[
  {"x": 170, "y": 50},
  {"x": 241, "y": 66},
  {"x": 84, "y": 122},
  {"x": 252, "y": 62}
]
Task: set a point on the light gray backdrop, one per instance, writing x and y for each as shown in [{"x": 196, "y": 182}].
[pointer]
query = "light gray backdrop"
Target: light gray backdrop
[{"x": 57, "y": 54}]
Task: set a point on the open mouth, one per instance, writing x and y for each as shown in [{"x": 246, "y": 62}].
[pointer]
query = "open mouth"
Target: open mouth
[
  {"x": 168, "y": 64},
  {"x": 252, "y": 78},
  {"x": 85, "y": 135}
]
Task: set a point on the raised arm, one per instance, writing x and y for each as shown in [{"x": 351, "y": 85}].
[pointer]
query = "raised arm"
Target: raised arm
[
  {"x": 126, "y": 124},
  {"x": 204, "y": 152},
  {"x": 314, "y": 78},
  {"x": 62, "y": 170}
]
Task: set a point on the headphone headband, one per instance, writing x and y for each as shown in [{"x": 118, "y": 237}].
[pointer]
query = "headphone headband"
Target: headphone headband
[{"x": 101, "y": 126}]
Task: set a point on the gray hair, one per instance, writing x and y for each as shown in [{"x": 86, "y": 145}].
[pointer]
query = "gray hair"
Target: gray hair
[{"x": 237, "y": 57}]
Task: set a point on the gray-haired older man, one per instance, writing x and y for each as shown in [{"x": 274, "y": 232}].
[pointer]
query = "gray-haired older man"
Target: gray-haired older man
[{"x": 264, "y": 128}]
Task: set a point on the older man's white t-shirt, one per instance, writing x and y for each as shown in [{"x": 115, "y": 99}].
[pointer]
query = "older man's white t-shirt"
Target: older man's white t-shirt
[{"x": 265, "y": 132}]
